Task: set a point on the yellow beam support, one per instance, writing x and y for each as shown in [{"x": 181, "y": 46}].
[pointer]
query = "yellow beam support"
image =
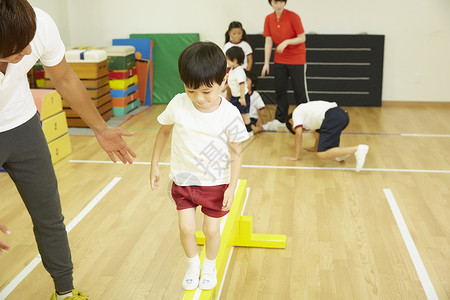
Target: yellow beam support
[{"x": 246, "y": 238}]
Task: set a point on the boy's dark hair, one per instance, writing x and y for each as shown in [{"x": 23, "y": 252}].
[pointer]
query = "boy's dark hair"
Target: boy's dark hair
[
  {"x": 235, "y": 24},
  {"x": 17, "y": 26},
  {"x": 289, "y": 125},
  {"x": 202, "y": 63},
  {"x": 270, "y": 1},
  {"x": 236, "y": 52},
  {"x": 253, "y": 77}
]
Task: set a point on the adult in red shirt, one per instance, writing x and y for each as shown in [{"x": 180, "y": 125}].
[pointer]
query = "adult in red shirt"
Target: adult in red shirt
[{"x": 284, "y": 28}]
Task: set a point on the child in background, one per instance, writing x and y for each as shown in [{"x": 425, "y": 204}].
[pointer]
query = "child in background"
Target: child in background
[
  {"x": 236, "y": 36},
  {"x": 256, "y": 103},
  {"x": 327, "y": 120},
  {"x": 237, "y": 84},
  {"x": 202, "y": 121}
]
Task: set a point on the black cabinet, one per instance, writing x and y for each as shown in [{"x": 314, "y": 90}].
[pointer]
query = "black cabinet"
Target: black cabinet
[{"x": 347, "y": 69}]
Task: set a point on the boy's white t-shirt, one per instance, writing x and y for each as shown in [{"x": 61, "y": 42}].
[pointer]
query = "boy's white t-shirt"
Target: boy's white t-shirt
[
  {"x": 310, "y": 115},
  {"x": 256, "y": 103},
  {"x": 16, "y": 101},
  {"x": 199, "y": 152},
  {"x": 245, "y": 47},
  {"x": 236, "y": 76}
]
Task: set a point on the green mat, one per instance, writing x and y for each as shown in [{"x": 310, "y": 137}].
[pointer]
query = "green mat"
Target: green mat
[{"x": 167, "y": 49}]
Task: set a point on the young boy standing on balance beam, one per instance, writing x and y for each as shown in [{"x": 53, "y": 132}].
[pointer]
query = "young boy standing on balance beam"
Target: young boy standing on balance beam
[{"x": 205, "y": 155}]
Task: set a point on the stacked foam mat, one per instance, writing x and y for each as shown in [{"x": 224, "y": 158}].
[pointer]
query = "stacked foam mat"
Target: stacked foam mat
[
  {"x": 53, "y": 122},
  {"x": 39, "y": 76},
  {"x": 123, "y": 79},
  {"x": 91, "y": 66},
  {"x": 144, "y": 65}
]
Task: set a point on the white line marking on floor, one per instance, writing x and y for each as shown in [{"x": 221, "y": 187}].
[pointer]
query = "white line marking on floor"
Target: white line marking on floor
[
  {"x": 110, "y": 162},
  {"x": 287, "y": 167},
  {"x": 415, "y": 256},
  {"x": 92, "y": 204},
  {"x": 425, "y": 135},
  {"x": 30, "y": 267}
]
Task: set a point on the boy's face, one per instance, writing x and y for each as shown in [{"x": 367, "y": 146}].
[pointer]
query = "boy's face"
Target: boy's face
[
  {"x": 232, "y": 63},
  {"x": 235, "y": 35},
  {"x": 278, "y": 6},
  {"x": 249, "y": 84},
  {"x": 14, "y": 59},
  {"x": 205, "y": 98}
]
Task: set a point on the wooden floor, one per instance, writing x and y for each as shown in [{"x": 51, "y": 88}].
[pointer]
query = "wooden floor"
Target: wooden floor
[{"x": 342, "y": 238}]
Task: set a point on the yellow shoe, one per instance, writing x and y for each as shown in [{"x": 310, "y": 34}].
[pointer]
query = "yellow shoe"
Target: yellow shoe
[{"x": 76, "y": 296}]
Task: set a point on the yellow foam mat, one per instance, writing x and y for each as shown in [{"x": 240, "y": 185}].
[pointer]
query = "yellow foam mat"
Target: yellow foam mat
[{"x": 121, "y": 84}]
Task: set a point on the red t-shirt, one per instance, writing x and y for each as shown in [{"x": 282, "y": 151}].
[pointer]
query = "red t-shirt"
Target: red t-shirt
[{"x": 288, "y": 26}]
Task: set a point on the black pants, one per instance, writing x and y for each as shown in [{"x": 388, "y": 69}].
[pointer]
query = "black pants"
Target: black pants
[
  {"x": 25, "y": 156},
  {"x": 282, "y": 73}
]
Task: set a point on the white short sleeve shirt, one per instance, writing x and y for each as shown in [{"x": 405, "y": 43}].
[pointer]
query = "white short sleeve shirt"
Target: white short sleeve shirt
[
  {"x": 16, "y": 102},
  {"x": 310, "y": 115},
  {"x": 256, "y": 103},
  {"x": 199, "y": 152},
  {"x": 236, "y": 77}
]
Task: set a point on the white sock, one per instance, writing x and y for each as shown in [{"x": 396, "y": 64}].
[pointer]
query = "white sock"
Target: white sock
[
  {"x": 61, "y": 297},
  {"x": 193, "y": 260},
  {"x": 209, "y": 275},
  {"x": 209, "y": 265},
  {"x": 191, "y": 278}
]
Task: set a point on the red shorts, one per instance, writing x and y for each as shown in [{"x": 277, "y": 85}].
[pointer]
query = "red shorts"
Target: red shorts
[{"x": 209, "y": 197}]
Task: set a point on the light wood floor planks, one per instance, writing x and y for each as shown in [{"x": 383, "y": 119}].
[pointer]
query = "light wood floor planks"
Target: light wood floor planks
[{"x": 342, "y": 239}]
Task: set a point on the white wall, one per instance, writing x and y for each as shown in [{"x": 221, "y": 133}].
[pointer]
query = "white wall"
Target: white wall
[
  {"x": 417, "y": 45},
  {"x": 58, "y": 10}
]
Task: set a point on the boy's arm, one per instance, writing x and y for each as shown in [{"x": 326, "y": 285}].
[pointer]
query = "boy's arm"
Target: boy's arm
[
  {"x": 298, "y": 144},
  {"x": 316, "y": 143},
  {"x": 161, "y": 140},
  {"x": 242, "y": 99},
  {"x": 235, "y": 162},
  {"x": 249, "y": 62},
  {"x": 74, "y": 92},
  {"x": 225, "y": 87}
]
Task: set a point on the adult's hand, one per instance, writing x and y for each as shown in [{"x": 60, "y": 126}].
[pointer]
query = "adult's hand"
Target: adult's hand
[
  {"x": 282, "y": 46},
  {"x": 5, "y": 230},
  {"x": 111, "y": 140},
  {"x": 265, "y": 70}
]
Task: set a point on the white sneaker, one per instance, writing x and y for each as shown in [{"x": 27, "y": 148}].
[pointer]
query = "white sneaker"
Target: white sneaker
[
  {"x": 209, "y": 279},
  {"x": 342, "y": 158},
  {"x": 360, "y": 155},
  {"x": 272, "y": 125},
  {"x": 190, "y": 280}
]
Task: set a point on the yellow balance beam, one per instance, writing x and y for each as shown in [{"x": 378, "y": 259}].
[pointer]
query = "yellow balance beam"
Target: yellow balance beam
[{"x": 237, "y": 231}]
